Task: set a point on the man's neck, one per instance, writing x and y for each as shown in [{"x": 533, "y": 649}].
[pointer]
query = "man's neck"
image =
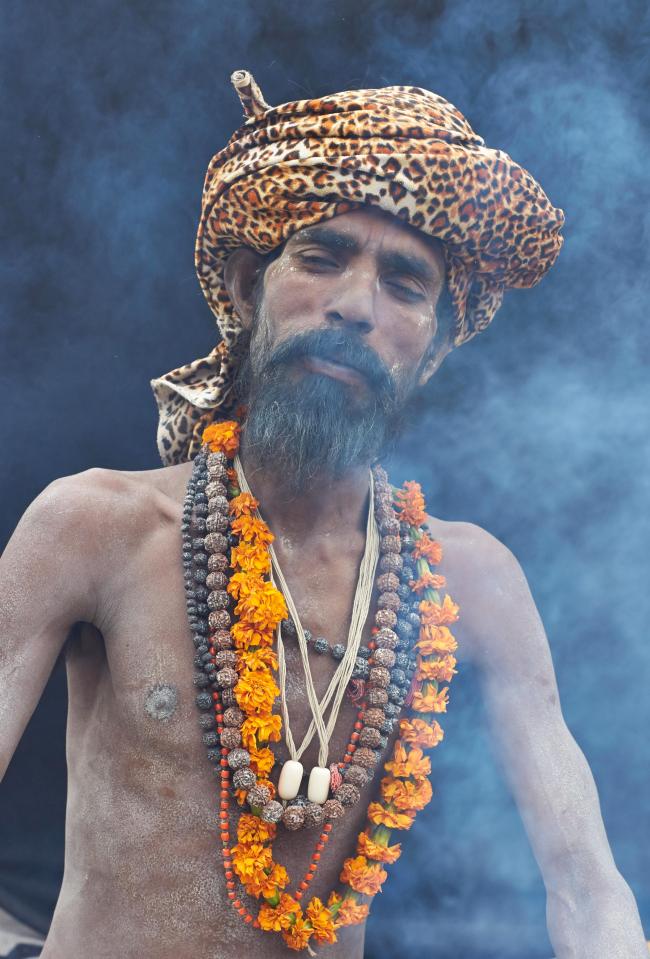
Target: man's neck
[{"x": 326, "y": 508}]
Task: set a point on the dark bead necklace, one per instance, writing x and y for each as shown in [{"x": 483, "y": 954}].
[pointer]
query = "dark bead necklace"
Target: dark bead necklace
[{"x": 383, "y": 670}]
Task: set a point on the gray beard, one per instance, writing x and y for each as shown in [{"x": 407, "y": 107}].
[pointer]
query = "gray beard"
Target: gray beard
[{"x": 315, "y": 427}]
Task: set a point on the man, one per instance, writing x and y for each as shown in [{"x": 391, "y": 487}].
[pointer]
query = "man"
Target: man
[{"x": 346, "y": 244}]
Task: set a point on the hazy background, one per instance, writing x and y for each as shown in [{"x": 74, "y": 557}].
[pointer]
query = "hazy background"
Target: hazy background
[{"x": 536, "y": 430}]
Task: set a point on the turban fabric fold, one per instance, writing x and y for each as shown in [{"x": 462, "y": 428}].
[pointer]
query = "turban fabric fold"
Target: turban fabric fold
[{"x": 403, "y": 149}]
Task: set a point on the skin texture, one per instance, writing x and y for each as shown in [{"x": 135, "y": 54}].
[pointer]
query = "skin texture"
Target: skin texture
[{"x": 94, "y": 566}]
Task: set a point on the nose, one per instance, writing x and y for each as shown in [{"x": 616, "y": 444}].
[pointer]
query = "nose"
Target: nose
[{"x": 353, "y": 302}]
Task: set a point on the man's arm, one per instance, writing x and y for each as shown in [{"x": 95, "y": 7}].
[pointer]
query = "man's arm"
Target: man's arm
[
  {"x": 48, "y": 581},
  {"x": 591, "y": 911}
]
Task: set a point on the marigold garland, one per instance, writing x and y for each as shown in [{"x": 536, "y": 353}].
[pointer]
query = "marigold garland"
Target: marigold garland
[{"x": 404, "y": 790}]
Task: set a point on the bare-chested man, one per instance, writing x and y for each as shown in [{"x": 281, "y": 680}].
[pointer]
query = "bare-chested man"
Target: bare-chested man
[{"x": 347, "y": 312}]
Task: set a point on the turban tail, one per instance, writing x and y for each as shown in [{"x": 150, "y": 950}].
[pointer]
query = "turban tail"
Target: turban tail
[{"x": 403, "y": 149}]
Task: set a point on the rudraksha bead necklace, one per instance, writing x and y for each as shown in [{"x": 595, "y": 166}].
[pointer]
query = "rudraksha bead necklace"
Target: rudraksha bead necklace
[{"x": 389, "y": 669}]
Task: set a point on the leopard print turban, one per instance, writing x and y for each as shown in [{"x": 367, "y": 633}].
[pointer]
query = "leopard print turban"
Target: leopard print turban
[{"x": 403, "y": 149}]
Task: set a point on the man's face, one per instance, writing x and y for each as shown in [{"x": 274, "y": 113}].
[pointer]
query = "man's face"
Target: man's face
[{"x": 341, "y": 327}]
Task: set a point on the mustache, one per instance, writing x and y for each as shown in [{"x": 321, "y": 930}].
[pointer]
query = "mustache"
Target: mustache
[{"x": 336, "y": 347}]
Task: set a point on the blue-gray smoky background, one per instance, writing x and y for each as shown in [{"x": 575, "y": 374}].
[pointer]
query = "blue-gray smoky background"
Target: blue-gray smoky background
[{"x": 536, "y": 430}]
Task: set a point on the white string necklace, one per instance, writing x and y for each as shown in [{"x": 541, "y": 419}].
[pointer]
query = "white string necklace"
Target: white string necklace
[{"x": 292, "y": 770}]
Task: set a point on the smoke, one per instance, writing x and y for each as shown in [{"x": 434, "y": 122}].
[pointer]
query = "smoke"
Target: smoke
[{"x": 536, "y": 429}]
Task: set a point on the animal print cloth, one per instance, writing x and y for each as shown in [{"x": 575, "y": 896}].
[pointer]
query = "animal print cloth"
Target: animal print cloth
[{"x": 404, "y": 149}]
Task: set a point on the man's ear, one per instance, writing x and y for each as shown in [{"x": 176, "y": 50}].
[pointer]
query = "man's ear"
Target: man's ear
[
  {"x": 433, "y": 364},
  {"x": 240, "y": 275}
]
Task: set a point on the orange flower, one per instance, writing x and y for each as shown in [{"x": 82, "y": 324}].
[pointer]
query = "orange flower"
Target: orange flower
[
  {"x": 262, "y": 761},
  {"x": 436, "y": 639},
  {"x": 270, "y": 918},
  {"x": 406, "y": 795},
  {"x": 362, "y": 876},
  {"x": 350, "y": 913},
  {"x": 374, "y": 850},
  {"x": 410, "y": 503},
  {"x": 242, "y": 583},
  {"x": 252, "y": 529},
  {"x": 441, "y": 668},
  {"x": 251, "y": 828},
  {"x": 321, "y": 920},
  {"x": 258, "y": 729},
  {"x": 435, "y": 614},
  {"x": 249, "y": 859},
  {"x": 298, "y": 934},
  {"x": 263, "y": 658},
  {"x": 429, "y": 700},
  {"x": 419, "y": 733},
  {"x": 263, "y": 607},
  {"x": 408, "y": 762},
  {"x": 281, "y": 916},
  {"x": 222, "y": 437},
  {"x": 256, "y": 692},
  {"x": 381, "y": 816},
  {"x": 243, "y": 505},
  {"x": 263, "y": 886},
  {"x": 427, "y": 580},
  {"x": 244, "y": 635},
  {"x": 427, "y": 548},
  {"x": 250, "y": 559}
]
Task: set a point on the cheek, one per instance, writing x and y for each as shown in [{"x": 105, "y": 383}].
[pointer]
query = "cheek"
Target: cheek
[
  {"x": 291, "y": 301},
  {"x": 402, "y": 341}
]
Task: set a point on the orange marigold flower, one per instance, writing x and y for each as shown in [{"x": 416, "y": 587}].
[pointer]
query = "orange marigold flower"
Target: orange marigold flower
[
  {"x": 427, "y": 548},
  {"x": 321, "y": 920},
  {"x": 264, "y": 607},
  {"x": 408, "y": 762},
  {"x": 252, "y": 529},
  {"x": 429, "y": 700},
  {"x": 244, "y": 582},
  {"x": 222, "y": 437},
  {"x": 350, "y": 913},
  {"x": 258, "y": 729},
  {"x": 256, "y": 692},
  {"x": 441, "y": 668},
  {"x": 405, "y": 795},
  {"x": 334, "y": 899},
  {"x": 261, "y": 658},
  {"x": 267, "y": 886},
  {"x": 281, "y": 916},
  {"x": 438, "y": 614},
  {"x": 410, "y": 504},
  {"x": 419, "y": 733},
  {"x": 427, "y": 580},
  {"x": 436, "y": 639},
  {"x": 374, "y": 850},
  {"x": 298, "y": 934},
  {"x": 243, "y": 505},
  {"x": 249, "y": 859},
  {"x": 363, "y": 876},
  {"x": 270, "y": 918},
  {"x": 250, "y": 559},
  {"x": 251, "y": 828},
  {"x": 381, "y": 816},
  {"x": 244, "y": 636},
  {"x": 262, "y": 761}
]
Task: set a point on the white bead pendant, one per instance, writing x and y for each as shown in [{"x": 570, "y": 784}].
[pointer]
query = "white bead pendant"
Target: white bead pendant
[
  {"x": 290, "y": 779},
  {"x": 319, "y": 784}
]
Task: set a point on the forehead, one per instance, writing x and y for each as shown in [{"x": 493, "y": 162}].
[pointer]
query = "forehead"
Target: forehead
[{"x": 373, "y": 228}]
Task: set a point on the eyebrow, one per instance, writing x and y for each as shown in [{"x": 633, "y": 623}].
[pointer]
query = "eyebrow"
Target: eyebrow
[{"x": 337, "y": 242}]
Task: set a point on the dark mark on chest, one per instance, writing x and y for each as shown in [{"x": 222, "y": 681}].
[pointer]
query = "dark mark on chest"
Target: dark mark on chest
[{"x": 161, "y": 701}]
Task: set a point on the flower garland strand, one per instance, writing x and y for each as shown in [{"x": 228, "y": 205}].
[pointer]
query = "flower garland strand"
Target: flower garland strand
[{"x": 404, "y": 790}]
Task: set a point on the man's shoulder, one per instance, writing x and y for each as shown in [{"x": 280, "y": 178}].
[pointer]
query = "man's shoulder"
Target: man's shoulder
[
  {"x": 480, "y": 572},
  {"x": 107, "y": 499},
  {"x": 467, "y": 542}
]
